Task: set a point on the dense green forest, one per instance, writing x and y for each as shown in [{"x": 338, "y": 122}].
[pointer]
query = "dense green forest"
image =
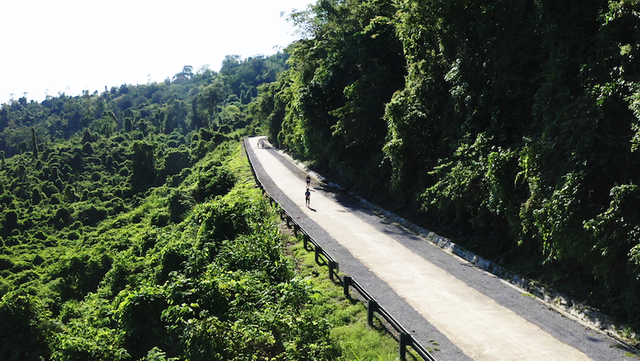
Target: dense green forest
[
  {"x": 132, "y": 229},
  {"x": 512, "y": 127}
]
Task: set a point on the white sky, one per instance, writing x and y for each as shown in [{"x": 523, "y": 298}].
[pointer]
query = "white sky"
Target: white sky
[{"x": 74, "y": 45}]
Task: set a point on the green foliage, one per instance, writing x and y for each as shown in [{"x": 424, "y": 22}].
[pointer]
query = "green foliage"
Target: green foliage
[
  {"x": 215, "y": 181},
  {"x": 143, "y": 172},
  {"x": 512, "y": 124},
  {"x": 138, "y": 315},
  {"x": 175, "y": 161},
  {"x": 74, "y": 276},
  {"x": 130, "y": 231},
  {"x": 88, "y": 332},
  {"x": 212, "y": 179},
  {"x": 356, "y": 339},
  {"x": 188, "y": 270},
  {"x": 24, "y": 327},
  {"x": 327, "y": 106},
  {"x": 476, "y": 187},
  {"x": 227, "y": 218}
]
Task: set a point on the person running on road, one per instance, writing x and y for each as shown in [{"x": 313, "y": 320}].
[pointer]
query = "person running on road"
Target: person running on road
[
  {"x": 308, "y": 180},
  {"x": 307, "y": 197}
]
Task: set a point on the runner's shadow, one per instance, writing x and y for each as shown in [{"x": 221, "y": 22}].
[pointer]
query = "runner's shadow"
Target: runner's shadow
[{"x": 312, "y": 209}]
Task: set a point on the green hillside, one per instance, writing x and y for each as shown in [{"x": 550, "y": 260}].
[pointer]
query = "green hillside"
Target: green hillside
[
  {"x": 131, "y": 229},
  {"x": 511, "y": 127}
]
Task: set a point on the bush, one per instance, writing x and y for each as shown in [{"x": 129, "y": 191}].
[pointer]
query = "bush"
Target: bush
[
  {"x": 77, "y": 275},
  {"x": 217, "y": 180},
  {"x": 139, "y": 316},
  {"x": 5, "y": 263},
  {"x": 179, "y": 203},
  {"x": 91, "y": 215},
  {"x": 175, "y": 161},
  {"x": 256, "y": 252},
  {"x": 10, "y": 222},
  {"x": 160, "y": 218},
  {"x": 23, "y": 327}
]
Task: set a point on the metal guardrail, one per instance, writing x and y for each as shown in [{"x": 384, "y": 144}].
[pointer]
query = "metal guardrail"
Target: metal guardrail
[{"x": 405, "y": 339}]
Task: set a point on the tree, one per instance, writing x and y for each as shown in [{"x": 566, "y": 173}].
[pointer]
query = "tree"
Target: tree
[
  {"x": 208, "y": 101},
  {"x": 196, "y": 119},
  {"x": 23, "y": 329},
  {"x": 34, "y": 143},
  {"x": 231, "y": 116},
  {"x": 127, "y": 125},
  {"x": 22, "y": 147},
  {"x": 187, "y": 70},
  {"x": 143, "y": 171},
  {"x": 339, "y": 81}
]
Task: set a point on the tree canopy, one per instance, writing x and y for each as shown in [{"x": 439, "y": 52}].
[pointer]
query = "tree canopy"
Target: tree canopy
[
  {"x": 511, "y": 126},
  {"x": 130, "y": 230}
]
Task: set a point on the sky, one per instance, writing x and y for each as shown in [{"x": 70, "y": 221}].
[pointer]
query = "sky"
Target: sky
[{"x": 68, "y": 46}]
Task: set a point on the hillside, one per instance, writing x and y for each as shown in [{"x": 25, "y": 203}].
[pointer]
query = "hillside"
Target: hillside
[
  {"x": 131, "y": 229},
  {"x": 511, "y": 127}
]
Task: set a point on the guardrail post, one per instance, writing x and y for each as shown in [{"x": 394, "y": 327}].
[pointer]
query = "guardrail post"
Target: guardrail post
[
  {"x": 346, "y": 282},
  {"x": 318, "y": 251},
  {"x": 305, "y": 241},
  {"x": 333, "y": 269},
  {"x": 296, "y": 229},
  {"x": 403, "y": 341},
  {"x": 372, "y": 306},
  {"x": 288, "y": 221}
]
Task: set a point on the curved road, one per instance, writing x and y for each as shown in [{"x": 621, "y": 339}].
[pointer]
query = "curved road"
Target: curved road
[{"x": 458, "y": 310}]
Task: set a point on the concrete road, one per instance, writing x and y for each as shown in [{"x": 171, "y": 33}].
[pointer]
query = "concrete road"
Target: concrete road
[{"x": 451, "y": 306}]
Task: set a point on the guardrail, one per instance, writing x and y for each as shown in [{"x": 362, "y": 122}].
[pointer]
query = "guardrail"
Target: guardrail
[{"x": 405, "y": 339}]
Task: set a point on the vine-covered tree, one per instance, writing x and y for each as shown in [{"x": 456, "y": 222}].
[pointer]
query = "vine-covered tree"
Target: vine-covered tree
[{"x": 510, "y": 124}]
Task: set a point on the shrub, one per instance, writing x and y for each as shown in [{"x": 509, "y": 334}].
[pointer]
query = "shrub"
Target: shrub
[
  {"x": 5, "y": 263},
  {"x": 79, "y": 274},
  {"x": 91, "y": 215},
  {"x": 139, "y": 315},
  {"x": 23, "y": 327},
  {"x": 175, "y": 161},
  {"x": 10, "y": 222},
  {"x": 179, "y": 203},
  {"x": 217, "y": 180},
  {"x": 160, "y": 218}
]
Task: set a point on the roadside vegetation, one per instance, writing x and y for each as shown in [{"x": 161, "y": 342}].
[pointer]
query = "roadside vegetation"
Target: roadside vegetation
[
  {"x": 356, "y": 339},
  {"x": 511, "y": 127}
]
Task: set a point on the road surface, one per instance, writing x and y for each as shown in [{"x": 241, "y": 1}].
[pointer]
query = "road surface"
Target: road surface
[{"x": 448, "y": 304}]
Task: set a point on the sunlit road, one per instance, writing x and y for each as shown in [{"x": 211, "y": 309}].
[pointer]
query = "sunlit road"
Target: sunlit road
[{"x": 476, "y": 316}]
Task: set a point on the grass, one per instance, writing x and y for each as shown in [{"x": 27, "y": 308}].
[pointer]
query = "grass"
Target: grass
[{"x": 357, "y": 339}]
